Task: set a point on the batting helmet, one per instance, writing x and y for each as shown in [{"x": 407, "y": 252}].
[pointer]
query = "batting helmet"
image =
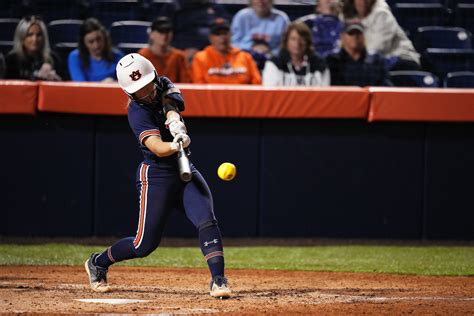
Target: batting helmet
[{"x": 134, "y": 72}]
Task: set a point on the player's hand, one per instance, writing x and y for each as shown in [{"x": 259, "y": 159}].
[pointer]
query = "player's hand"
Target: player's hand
[
  {"x": 176, "y": 127},
  {"x": 184, "y": 138}
]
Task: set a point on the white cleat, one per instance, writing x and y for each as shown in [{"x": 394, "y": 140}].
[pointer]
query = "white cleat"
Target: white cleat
[
  {"x": 97, "y": 275},
  {"x": 220, "y": 288}
]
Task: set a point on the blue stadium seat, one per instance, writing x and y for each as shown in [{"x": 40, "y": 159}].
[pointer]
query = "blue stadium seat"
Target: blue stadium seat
[
  {"x": 233, "y": 6},
  {"x": 411, "y": 16},
  {"x": 408, "y": 78},
  {"x": 51, "y": 10},
  {"x": 63, "y": 50},
  {"x": 109, "y": 11},
  {"x": 444, "y": 60},
  {"x": 464, "y": 15},
  {"x": 129, "y": 32},
  {"x": 5, "y": 47},
  {"x": 461, "y": 79},
  {"x": 64, "y": 31},
  {"x": 7, "y": 28},
  {"x": 443, "y": 37},
  {"x": 128, "y": 48}
]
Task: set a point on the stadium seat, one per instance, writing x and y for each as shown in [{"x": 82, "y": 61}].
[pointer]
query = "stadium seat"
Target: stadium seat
[
  {"x": 443, "y": 37},
  {"x": 128, "y": 48},
  {"x": 129, "y": 32},
  {"x": 7, "y": 28},
  {"x": 51, "y": 10},
  {"x": 405, "y": 78},
  {"x": 5, "y": 47},
  {"x": 464, "y": 15},
  {"x": 411, "y": 16},
  {"x": 64, "y": 31},
  {"x": 461, "y": 79},
  {"x": 109, "y": 11},
  {"x": 444, "y": 60},
  {"x": 63, "y": 50}
]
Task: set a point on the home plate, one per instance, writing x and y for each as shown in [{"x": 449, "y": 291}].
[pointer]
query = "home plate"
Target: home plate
[{"x": 115, "y": 301}]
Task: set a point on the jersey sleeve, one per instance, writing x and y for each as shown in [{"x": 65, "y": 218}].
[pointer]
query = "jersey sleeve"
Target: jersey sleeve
[{"x": 142, "y": 122}]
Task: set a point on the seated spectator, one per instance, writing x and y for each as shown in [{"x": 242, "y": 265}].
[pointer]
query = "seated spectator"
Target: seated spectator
[
  {"x": 31, "y": 57},
  {"x": 94, "y": 59},
  {"x": 192, "y": 20},
  {"x": 168, "y": 61},
  {"x": 2, "y": 66},
  {"x": 383, "y": 33},
  {"x": 325, "y": 26},
  {"x": 260, "y": 21},
  {"x": 296, "y": 64},
  {"x": 222, "y": 63},
  {"x": 353, "y": 65}
]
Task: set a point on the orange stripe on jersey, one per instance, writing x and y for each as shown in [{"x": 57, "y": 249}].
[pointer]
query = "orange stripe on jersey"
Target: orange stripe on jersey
[
  {"x": 143, "y": 204},
  {"x": 150, "y": 132}
]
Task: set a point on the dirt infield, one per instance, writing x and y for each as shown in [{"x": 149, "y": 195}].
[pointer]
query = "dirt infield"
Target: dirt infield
[{"x": 57, "y": 289}]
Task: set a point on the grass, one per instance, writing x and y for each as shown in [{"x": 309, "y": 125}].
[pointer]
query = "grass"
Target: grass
[{"x": 421, "y": 260}]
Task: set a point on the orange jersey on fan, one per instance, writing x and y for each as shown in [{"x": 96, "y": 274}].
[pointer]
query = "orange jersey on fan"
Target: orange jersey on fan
[
  {"x": 173, "y": 65},
  {"x": 237, "y": 67}
]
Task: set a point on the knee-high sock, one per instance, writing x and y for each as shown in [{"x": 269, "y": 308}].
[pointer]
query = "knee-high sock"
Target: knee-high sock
[{"x": 210, "y": 240}]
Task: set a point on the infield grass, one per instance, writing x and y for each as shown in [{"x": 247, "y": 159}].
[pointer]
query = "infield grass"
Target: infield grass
[{"x": 421, "y": 260}]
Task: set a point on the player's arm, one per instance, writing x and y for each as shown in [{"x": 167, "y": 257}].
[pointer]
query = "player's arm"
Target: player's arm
[{"x": 160, "y": 148}]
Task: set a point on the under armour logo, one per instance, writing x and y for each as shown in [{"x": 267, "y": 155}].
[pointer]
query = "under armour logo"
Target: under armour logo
[
  {"x": 136, "y": 75},
  {"x": 214, "y": 241}
]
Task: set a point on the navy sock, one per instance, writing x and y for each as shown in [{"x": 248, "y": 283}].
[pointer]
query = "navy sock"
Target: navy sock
[
  {"x": 121, "y": 250},
  {"x": 211, "y": 246}
]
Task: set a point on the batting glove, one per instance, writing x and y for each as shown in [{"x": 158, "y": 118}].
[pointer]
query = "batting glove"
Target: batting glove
[
  {"x": 184, "y": 138},
  {"x": 176, "y": 127}
]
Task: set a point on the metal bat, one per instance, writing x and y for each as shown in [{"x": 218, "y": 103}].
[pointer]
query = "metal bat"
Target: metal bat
[{"x": 183, "y": 164}]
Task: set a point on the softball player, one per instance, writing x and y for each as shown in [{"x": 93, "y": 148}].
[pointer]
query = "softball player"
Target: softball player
[{"x": 153, "y": 115}]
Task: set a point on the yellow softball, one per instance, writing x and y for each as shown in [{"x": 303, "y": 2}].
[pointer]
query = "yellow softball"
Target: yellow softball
[{"x": 226, "y": 171}]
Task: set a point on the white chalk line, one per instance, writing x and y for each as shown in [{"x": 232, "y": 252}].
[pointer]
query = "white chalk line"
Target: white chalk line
[{"x": 323, "y": 297}]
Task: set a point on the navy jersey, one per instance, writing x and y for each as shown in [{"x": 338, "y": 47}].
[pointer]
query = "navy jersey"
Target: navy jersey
[{"x": 149, "y": 120}]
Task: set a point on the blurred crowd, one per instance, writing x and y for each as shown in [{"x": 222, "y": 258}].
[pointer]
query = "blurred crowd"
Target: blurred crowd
[{"x": 344, "y": 42}]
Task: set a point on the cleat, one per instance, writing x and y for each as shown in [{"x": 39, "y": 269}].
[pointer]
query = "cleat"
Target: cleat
[
  {"x": 220, "y": 288},
  {"x": 97, "y": 275}
]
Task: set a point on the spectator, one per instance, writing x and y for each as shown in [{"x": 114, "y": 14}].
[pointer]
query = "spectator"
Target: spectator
[
  {"x": 325, "y": 26},
  {"x": 260, "y": 21},
  {"x": 383, "y": 33},
  {"x": 222, "y": 63},
  {"x": 296, "y": 64},
  {"x": 94, "y": 59},
  {"x": 353, "y": 65},
  {"x": 168, "y": 61},
  {"x": 2, "y": 66},
  {"x": 31, "y": 57},
  {"x": 192, "y": 20}
]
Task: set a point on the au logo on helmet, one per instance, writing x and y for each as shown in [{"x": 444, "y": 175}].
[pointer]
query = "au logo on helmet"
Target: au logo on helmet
[{"x": 135, "y": 75}]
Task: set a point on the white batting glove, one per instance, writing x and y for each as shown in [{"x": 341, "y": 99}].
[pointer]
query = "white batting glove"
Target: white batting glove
[
  {"x": 176, "y": 127},
  {"x": 184, "y": 138}
]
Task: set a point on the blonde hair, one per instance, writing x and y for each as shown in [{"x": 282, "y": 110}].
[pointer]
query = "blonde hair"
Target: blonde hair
[{"x": 21, "y": 32}]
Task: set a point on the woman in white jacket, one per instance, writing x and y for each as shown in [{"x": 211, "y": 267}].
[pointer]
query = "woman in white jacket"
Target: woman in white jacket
[
  {"x": 296, "y": 64},
  {"x": 383, "y": 34}
]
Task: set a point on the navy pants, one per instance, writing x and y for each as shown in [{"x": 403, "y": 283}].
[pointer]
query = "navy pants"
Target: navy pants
[{"x": 161, "y": 191}]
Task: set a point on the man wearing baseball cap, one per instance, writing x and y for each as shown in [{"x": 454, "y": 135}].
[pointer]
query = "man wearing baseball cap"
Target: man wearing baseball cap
[
  {"x": 354, "y": 65},
  {"x": 168, "y": 61},
  {"x": 220, "y": 62}
]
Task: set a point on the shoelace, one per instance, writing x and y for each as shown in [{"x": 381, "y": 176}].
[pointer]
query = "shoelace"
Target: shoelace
[
  {"x": 101, "y": 274},
  {"x": 220, "y": 281}
]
